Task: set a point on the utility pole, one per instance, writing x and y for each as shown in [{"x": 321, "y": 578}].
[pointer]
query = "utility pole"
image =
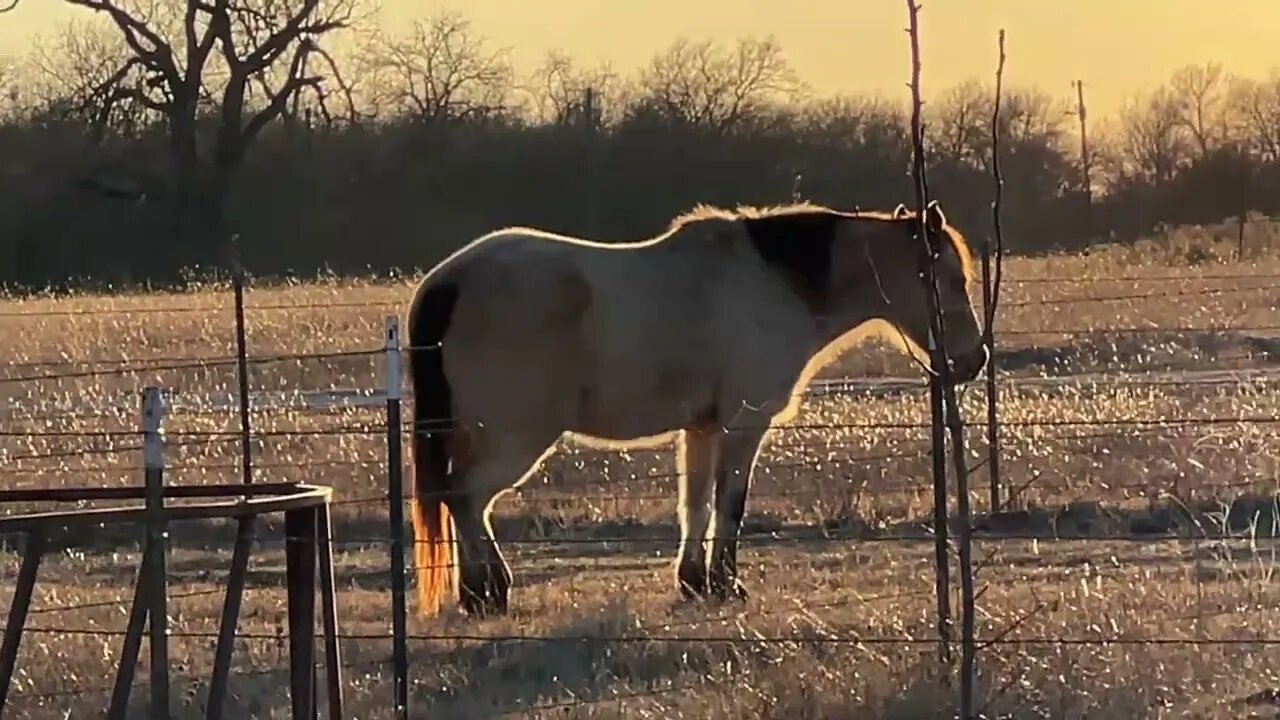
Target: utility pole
[{"x": 1085, "y": 160}]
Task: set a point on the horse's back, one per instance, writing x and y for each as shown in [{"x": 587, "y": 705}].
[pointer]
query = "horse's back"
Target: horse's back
[
  {"x": 534, "y": 279},
  {"x": 548, "y": 330},
  {"x": 614, "y": 342}
]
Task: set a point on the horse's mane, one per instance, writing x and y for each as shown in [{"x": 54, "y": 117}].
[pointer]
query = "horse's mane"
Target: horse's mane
[{"x": 703, "y": 212}]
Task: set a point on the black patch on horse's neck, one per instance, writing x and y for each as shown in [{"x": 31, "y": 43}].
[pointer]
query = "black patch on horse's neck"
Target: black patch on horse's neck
[{"x": 798, "y": 247}]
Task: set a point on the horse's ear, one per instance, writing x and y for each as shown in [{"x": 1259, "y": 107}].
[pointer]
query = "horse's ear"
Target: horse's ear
[
  {"x": 934, "y": 219},
  {"x": 900, "y": 211}
]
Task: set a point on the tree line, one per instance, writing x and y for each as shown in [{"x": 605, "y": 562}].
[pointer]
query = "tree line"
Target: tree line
[{"x": 140, "y": 138}]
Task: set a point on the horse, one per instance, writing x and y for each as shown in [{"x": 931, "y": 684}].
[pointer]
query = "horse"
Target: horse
[{"x": 702, "y": 333}]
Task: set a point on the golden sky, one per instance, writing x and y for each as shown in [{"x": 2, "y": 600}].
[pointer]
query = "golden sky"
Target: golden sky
[{"x": 1118, "y": 47}]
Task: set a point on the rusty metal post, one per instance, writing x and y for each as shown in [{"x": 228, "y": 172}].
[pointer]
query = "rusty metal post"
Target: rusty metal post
[
  {"x": 329, "y": 609},
  {"x": 395, "y": 514},
  {"x": 154, "y": 558},
  {"x": 230, "y": 618},
  {"x": 300, "y": 569},
  {"x": 128, "y": 667},
  {"x": 18, "y": 608}
]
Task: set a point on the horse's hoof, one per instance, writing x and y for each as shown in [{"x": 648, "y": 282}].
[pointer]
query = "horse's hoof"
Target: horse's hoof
[
  {"x": 727, "y": 591},
  {"x": 471, "y": 605},
  {"x": 490, "y": 603},
  {"x": 690, "y": 594},
  {"x": 483, "y": 607},
  {"x": 692, "y": 586}
]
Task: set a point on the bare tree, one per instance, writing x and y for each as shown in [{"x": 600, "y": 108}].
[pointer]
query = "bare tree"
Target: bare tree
[
  {"x": 849, "y": 122},
  {"x": 174, "y": 46},
  {"x": 1030, "y": 115},
  {"x": 558, "y": 88},
  {"x": 704, "y": 84},
  {"x": 440, "y": 70},
  {"x": 12, "y": 100},
  {"x": 958, "y": 129},
  {"x": 1153, "y": 136},
  {"x": 1199, "y": 93},
  {"x": 961, "y": 127},
  {"x": 83, "y": 74},
  {"x": 1109, "y": 164},
  {"x": 1256, "y": 105}
]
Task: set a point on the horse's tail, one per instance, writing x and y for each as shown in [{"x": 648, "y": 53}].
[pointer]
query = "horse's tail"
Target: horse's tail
[{"x": 434, "y": 550}]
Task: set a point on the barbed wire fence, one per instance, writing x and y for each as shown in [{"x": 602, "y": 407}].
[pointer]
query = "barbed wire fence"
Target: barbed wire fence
[
  {"x": 839, "y": 531},
  {"x": 860, "y": 482},
  {"x": 122, "y": 441},
  {"x": 604, "y": 489}
]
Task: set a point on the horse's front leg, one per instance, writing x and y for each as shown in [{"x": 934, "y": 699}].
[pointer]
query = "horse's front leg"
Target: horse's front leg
[{"x": 735, "y": 462}]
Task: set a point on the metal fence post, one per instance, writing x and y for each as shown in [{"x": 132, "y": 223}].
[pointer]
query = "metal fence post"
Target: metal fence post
[
  {"x": 242, "y": 361},
  {"x": 154, "y": 555},
  {"x": 19, "y": 606},
  {"x": 300, "y": 569},
  {"x": 329, "y": 611},
  {"x": 395, "y": 513},
  {"x": 132, "y": 645},
  {"x": 231, "y": 603}
]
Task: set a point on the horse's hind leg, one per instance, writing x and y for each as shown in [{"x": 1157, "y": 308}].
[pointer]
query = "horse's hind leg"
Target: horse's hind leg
[
  {"x": 696, "y": 456},
  {"x": 735, "y": 464},
  {"x": 484, "y": 579}
]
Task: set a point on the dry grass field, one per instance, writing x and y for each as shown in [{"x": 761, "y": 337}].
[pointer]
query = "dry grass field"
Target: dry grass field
[{"x": 1138, "y": 403}]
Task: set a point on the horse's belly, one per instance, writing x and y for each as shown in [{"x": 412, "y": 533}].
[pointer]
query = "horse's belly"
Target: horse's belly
[
  {"x": 644, "y": 404},
  {"x": 650, "y": 360}
]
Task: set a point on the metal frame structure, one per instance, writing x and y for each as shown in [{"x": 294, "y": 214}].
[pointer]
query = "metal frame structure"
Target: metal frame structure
[{"x": 308, "y": 559}]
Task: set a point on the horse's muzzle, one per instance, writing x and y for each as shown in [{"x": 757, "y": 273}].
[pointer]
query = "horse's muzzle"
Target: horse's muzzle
[{"x": 967, "y": 368}]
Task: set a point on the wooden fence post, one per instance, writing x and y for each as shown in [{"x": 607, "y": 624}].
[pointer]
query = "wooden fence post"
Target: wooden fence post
[
  {"x": 937, "y": 356},
  {"x": 395, "y": 514},
  {"x": 991, "y": 289},
  {"x": 942, "y": 384},
  {"x": 154, "y": 556}
]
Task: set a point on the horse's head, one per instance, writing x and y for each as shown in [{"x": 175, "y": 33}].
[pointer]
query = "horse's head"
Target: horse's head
[{"x": 884, "y": 271}]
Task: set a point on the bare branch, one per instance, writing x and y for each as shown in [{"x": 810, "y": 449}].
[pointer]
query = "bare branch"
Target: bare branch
[
  {"x": 440, "y": 71},
  {"x": 345, "y": 88},
  {"x": 155, "y": 53},
  {"x": 300, "y": 24},
  {"x": 296, "y": 81},
  {"x": 1256, "y": 106},
  {"x": 199, "y": 47},
  {"x": 557, "y": 89},
  {"x": 702, "y": 84},
  {"x": 107, "y": 95},
  {"x": 1153, "y": 136},
  {"x": 91, "y": 74},
  {"x": 1199, "y": 94}
]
